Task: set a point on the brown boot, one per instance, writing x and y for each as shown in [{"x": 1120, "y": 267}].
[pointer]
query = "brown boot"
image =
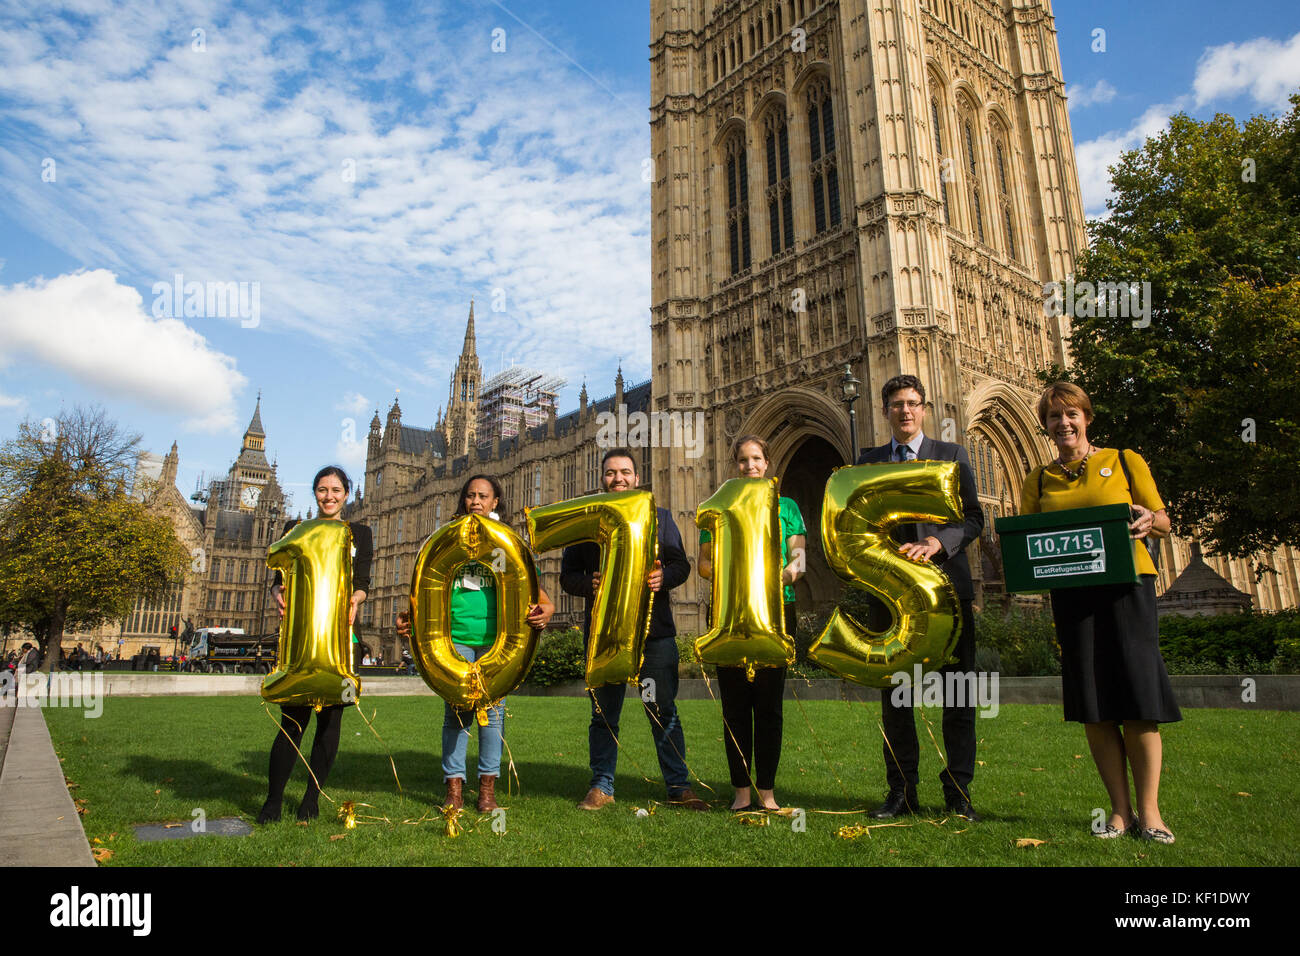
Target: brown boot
[
  {"x": 455, "y": 793},
  {"x": 487, "y": 798}
]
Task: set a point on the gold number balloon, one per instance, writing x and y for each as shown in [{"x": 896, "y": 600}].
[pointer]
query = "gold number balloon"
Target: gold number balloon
[
  {"x": 315, "y": 666},
  {"x": 748, "y": 610},
  {"x": 481, "y": 684},
  {"x": 623, "y": 524},
  {"x": 862, "y": 504}
]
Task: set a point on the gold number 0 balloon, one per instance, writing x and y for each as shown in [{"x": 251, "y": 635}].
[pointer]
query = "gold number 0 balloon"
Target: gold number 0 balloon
[
  {"x": 478, "y": 685},
  {"x": 862, "y": 503},
  {"x": 623, "y": 523},
  {"x": 748, "y": 610},
  {"x": 315, "y": 667}
]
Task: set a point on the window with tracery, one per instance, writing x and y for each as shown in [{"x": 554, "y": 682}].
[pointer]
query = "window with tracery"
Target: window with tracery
[
  {"x": 737, "y": 204},
  {"x": 780, "y": 197},
  {"x": 822, "y": 169}
]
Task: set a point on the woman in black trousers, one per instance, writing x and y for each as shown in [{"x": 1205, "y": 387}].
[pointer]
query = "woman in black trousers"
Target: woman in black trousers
[
  {"x": 752, "y": 710},
  {"x": 331, "y": 487}
]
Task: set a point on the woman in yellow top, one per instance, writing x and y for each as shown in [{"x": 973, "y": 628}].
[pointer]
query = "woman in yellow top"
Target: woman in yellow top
[{"x": 1112, "y": 674}]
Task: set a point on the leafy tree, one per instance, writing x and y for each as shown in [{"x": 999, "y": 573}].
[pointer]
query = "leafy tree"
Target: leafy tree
[
  {"x": 1209, "y": 214},
  {"x": 75, "y": 550}
]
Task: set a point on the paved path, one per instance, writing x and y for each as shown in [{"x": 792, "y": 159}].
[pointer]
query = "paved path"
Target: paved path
[{"x": 39, "y": 825}]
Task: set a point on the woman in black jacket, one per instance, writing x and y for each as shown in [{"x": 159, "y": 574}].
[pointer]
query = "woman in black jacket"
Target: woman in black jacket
[{"x": 331, "y": 487}]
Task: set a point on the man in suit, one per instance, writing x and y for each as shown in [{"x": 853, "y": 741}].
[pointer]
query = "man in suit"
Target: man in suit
[
  {"x": 904, "y": 407},
  {"x": 580, "y": 576}
]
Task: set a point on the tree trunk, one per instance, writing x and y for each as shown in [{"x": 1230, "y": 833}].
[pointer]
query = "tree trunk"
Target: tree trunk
[{"x": 54, "y": 636}]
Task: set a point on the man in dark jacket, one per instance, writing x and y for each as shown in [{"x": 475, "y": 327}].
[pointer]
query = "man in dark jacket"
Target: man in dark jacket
[
  {"x": 580, "y": 576},
  {"x": 904, "y": 406}
]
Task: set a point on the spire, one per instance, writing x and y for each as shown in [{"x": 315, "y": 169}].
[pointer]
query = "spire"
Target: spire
[
  {"x": 618, "y": 387},
  {"x": 168, "y": 476},
  {"x": 374, "y": 422},
  {"x": 255, "y": 426},
  {"x": 470, "y": 347}
]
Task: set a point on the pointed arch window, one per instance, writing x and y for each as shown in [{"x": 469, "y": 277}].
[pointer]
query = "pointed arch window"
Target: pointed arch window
[
  {"x": 938, "y": 151},
  {"x": 977, "y": 211},
  {"x": 737, "y": 204},
  {"x": 780, "y": 198},
  {"x": 1004, "y": 193},
  {"x": 822, "y": 170}
]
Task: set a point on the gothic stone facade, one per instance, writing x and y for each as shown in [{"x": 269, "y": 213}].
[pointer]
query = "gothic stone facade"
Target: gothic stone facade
[{"x": 886, "y": 185}]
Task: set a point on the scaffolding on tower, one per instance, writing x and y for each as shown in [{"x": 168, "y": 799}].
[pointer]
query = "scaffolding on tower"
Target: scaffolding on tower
[{"x": 515, "y": 391}]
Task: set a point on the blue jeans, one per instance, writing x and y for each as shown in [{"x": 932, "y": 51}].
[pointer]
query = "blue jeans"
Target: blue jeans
[
  {"x": 659, "y": 666},
  {"x": 456, "y": 725}
]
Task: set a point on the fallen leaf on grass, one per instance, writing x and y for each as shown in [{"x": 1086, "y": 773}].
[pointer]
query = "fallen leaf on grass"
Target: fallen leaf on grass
[
  {"x": 1241, "y": 793},
  {"x": 157, "y": 792},
  {"x": 1078, "y": 756},
  {"x": 893, "y": 851},
  {"x": 337, "y": 836},
  {"x": 95, "y": 840},
  {"x": 980, "y": 762},
  {"x": 1024, "y": 842},
  {"x": 102, "y": 855},
  {"x": 1037, "y": 768}
]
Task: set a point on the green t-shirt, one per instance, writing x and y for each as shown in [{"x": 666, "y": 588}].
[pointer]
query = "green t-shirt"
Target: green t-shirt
[
  {"x": 474, "y": 606},
  {"x": 791, "y": 525}
]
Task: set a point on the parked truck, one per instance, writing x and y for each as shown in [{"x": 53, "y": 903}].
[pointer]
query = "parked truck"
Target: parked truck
[{"x": 228, "y": 650}]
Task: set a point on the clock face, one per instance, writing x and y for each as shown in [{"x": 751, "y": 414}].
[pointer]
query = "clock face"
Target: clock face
[{"x": 250, "y": 496}]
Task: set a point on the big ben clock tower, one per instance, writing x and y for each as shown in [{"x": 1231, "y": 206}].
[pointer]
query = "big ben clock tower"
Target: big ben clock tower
[{"x": 251, "y": 472}]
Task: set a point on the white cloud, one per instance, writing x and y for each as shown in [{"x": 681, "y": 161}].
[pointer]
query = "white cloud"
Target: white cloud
[
  {"x": 353, "y": 402},
  {"x": 12, "y": 401},
  {"x": 1081, "y": 97},
  {"x": 1095, "y": 156},
  {"x": 91, "y": 327},
  {"x": 1267, "y": 69}
]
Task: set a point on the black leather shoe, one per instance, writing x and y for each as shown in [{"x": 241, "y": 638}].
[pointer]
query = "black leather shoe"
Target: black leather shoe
[
  {"x": 961, "y": 808},
  {"x": 897, "y": 802}
]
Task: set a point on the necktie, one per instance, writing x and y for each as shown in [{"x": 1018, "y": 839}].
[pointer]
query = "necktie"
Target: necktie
[{"x": 907, "y": 532}]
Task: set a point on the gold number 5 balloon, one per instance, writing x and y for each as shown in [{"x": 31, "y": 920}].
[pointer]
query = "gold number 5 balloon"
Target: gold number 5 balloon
[
  {"x": 861, "y": 505},
  {"x": 315, "y": 667},
  {"x": 479, "y": 685},
  {"x": 748, "y": 613}
]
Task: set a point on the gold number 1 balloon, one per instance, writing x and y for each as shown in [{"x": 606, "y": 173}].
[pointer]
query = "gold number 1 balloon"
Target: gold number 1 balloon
[
  {"x": 479, "y": 685},
  {"x": 861, "y": 505},
  {"x": 623, "y": 524},
  {"x": 315, "y": 666},
  {"x": 748, "y": 610}
]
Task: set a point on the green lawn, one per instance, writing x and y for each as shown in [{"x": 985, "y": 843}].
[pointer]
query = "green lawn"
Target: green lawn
[{"x": 1230, "y": 780}]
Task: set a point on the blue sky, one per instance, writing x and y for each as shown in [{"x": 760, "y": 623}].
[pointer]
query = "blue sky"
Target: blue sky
[{"x": 366, "y": 171}]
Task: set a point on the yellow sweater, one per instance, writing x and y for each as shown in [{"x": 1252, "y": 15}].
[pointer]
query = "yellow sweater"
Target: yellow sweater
[{"x": 1102, "y": 483}]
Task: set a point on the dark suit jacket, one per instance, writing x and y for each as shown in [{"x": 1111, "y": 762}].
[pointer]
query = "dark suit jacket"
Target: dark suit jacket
[
  {"x": 954, "y": 537},
  {"x": 580, "y": 561}
]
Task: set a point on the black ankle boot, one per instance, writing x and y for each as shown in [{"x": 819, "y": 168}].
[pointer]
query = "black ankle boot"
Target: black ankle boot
[{"x": 309, "y": 810}]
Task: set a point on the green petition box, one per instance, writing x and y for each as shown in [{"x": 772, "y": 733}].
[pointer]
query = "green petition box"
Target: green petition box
[{"x": 1067, "y": 549}]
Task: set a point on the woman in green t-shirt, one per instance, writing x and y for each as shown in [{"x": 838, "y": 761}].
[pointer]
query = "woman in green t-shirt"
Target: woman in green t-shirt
[
  {"x": 473, "y": 632},
  {"x": 752, "y": 711}
]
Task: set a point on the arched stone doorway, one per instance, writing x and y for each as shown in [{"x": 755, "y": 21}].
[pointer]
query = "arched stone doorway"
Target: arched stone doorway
[{"x": 803, "y": 478}]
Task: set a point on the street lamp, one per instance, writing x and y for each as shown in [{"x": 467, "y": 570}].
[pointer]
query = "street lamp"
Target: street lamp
[{"x": 849, "y": 389}]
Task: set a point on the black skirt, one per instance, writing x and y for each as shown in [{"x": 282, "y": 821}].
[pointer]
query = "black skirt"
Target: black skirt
[{"x": 1111, "y": 668}]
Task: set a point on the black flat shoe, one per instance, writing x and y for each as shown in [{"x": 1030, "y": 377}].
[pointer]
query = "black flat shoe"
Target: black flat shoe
[
  {"x": 897, "y": 803},
  {"x": 747, "y": 808},
  {"x": 962, "y": 808}
]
